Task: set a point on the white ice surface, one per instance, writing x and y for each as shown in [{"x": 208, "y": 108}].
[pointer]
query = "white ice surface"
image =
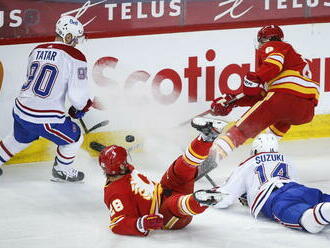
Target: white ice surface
[{"x": 38, "y": 213}]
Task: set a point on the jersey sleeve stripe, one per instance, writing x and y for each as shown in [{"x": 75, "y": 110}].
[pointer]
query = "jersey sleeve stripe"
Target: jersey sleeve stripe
[
  {"x": 275, "y": 62},
  {"x": 115, "y": 221}
]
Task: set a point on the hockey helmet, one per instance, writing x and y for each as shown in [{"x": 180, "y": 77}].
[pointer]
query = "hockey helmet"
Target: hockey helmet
[
  {"x": 271, "y": 32},
  {"x": 264, "y": 143},
  {"x": 113, "y": 161},
  {"x": 69, "y": 26}
]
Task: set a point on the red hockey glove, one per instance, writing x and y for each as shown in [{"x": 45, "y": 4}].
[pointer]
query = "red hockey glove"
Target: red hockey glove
[
  {"x": 220, "y": 105},
  {"x": 78, "y": 114},
  {"x": 252, "y": 85},
  {"x": 149, "y": 222}
]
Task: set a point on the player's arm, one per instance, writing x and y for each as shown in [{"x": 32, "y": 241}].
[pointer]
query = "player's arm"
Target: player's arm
[
  {"x": 78, "y": 90},
  {"x": 272, "y": 61},
  {"x": 222, "y": 106},
  {"x": 125, "y": 219},
  {"x": 233, "y": 188},
  {"x": 270, "y": 66}
]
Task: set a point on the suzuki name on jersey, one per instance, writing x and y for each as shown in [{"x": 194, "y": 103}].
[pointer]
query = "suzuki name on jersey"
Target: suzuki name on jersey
[
  {"x": 46, "y": 55},
  {"x": 269, "y": 157}
]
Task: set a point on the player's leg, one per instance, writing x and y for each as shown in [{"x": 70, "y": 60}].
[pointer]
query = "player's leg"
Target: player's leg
[
  {"x": 273, "y": 112},
  {"x": 256, "y": 119},
  {"x": 279, "y": 129},
  {"x": 180, "y": 176},
  {"x": 299, "y": 207},
  {"x": 15, "y": 142},
  {"x": 68, "y": 137},
  {"x": 179, "y": 203},
  {"x": 315, "y": 219},
  {"x": 178, "y": 210}
]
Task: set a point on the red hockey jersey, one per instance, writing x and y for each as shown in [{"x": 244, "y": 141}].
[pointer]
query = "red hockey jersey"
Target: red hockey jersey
[
  {"x": 281, "y": 68},
  {"x": 129, "y": 198}
]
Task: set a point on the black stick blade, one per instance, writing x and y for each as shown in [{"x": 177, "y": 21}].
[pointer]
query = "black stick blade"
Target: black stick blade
[
  {"x": 101, "y": 124},
  {"x": 96, "y": 146}
]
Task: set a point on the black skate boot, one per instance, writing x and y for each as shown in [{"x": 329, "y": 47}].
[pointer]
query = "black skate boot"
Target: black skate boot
[
  {"x": 209, "y": 128},
  {"x": 209, "y": 197},
  {"x": 0, "y": 171},
  {"x": 67, "y": 173}
]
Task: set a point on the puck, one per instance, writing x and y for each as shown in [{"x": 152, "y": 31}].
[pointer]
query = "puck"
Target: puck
[{"x": 129, "y": 138}]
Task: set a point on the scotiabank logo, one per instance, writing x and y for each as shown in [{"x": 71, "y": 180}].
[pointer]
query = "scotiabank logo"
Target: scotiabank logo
[{"x": 197, "y": 78}]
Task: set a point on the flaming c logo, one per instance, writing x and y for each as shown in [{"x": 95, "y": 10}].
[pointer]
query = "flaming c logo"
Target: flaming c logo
[{"x": 1, "y": 74}]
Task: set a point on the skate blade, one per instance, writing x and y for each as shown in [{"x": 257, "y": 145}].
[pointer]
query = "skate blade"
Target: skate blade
[{"x": 59, "y": 180}]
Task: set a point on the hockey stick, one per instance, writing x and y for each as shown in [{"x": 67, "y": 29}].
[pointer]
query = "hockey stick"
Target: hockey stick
[
  {"x": 236, "y": 98},
  {"x": 99, "y": 147},
  {"x": 211, "y": 181},
  {"x": 98, "y": 125},
  {"x": 96, "y": 146},
  {"x": 233, "y": 100}
]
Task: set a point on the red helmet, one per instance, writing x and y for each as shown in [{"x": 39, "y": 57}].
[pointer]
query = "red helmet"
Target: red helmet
[
  {"x": 113, "y": 161},
  {"x": 268, "y": 32}
]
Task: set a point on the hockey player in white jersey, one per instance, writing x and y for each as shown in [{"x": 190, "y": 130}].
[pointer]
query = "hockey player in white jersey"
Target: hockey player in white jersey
[
  {"x": 269, "y": 181},
  {"x": 56, "y": 71}
]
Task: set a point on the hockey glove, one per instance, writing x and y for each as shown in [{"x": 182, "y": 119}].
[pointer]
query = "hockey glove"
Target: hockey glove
[
  {"x": 149, "y": 222},
  {"x": 221, "y": 107},
  {"x": 78, "y": 114},
  {"x": 252, "y": 85},
  {"x": 75, "y": 113}
]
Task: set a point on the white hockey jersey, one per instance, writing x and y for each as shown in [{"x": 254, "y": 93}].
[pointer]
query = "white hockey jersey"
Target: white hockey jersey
[
  {"x": 55, "y": 70},
  {"x": 257, "y": 177}
]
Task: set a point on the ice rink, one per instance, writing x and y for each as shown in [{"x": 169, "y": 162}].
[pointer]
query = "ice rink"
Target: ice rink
[{"x": 38, "y": 213}]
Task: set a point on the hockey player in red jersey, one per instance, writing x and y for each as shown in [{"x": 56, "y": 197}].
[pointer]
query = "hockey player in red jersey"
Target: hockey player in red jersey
[
  {"x": 280, "y": 92},
  {"x": 138, "y": 205}
]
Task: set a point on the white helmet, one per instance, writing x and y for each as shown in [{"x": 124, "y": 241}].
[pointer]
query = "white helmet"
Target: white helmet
[
  {"x": 264, "y": 143},
  {"x": 69, "y": 25}
]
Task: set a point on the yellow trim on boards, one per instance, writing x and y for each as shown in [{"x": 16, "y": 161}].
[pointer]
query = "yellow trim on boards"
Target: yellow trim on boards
[{"x": 44, "y": 150}]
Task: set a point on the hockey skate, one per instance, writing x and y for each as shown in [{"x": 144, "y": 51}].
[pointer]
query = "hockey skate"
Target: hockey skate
[
  {"x": 209, "y": 197},
  {"x": 209, "y": 128},
  {"x": 0, "y": 171},
  {"x": 66, "y": 173}
]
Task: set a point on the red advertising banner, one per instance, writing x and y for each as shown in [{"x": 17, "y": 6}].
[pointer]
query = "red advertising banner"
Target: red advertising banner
[{"x": 31, "y": 21}]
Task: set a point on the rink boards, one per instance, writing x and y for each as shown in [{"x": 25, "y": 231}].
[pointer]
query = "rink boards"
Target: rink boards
[{"x": 159, "y": 81}]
